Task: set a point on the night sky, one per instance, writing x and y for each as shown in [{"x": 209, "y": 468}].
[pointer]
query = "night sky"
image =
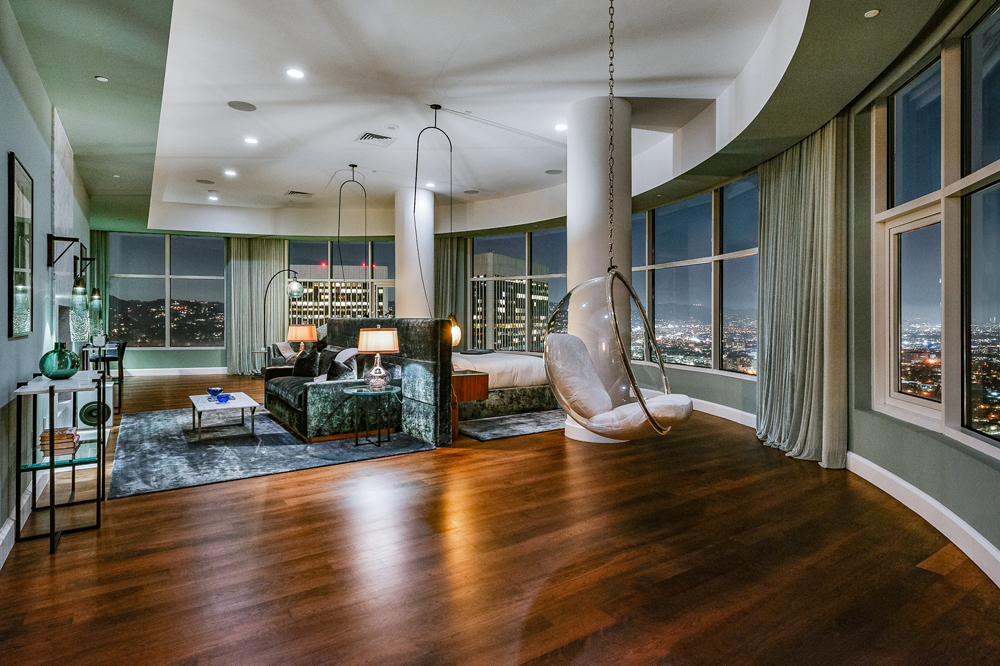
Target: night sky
[{"x": 920, "y": 275}]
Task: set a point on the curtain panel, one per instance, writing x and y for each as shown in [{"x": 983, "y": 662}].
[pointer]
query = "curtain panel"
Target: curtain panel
[
  {"x": 250, "y": 264},
  {"x": 802, "y": 299},
  {"x": 451, "y": 279}
]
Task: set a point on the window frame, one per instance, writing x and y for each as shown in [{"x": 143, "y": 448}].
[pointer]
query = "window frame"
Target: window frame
[{"x": 167, "y": 276}]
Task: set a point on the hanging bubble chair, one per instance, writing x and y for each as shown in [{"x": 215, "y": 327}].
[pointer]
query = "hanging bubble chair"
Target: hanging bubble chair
[{"x": 588, "y": 351}]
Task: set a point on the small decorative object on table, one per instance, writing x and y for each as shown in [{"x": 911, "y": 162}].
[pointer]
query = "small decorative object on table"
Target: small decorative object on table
[
  {"x": 213, "y": 394},
  {"x": 60, "y": 363},
  {"x": 223, "y": 398}
]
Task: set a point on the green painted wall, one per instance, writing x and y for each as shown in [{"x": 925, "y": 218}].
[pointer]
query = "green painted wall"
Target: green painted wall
[
  {"x": 964, "y": 480},
  {"x": 143, "y": 359},
  {"x": 729, "y": 389}
]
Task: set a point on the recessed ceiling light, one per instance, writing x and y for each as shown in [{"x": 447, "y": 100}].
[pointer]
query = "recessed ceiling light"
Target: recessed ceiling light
[
  {"x": 472, "y": 191},
  {"x": 553, "y": 172},
  {"x": 213, "y": 198},
  {"x": 250, "y": 139},
  {"x": 229, "y": 172},
  {"x": 295, "y": 73},
  {"x": 116, "y": 176},
  {"x": 242, "y": 106},
  {"x": 392, "y": 128},
  {"x": 430, "y": 184},
  {"x": 871, "y": 13},
  {"x": 205, "y": 182},
  {"x": 102, "y": 79},
  {"x": 561, "y": 127}
]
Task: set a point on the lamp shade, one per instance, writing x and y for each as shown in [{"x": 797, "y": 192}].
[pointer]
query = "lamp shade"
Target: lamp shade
[
  {"x": 302, "y": 333},
  {"x": 378, "y": 341}
]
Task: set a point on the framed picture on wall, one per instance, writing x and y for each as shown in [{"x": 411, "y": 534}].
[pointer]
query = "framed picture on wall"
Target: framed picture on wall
[{"x": 20, "y": 217}]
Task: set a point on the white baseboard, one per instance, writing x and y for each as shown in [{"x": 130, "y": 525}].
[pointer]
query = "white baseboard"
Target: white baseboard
[
  {"x": 728, "y": 413},
  {"x": 154, "y": 372},
  {"x": 7, "y": 531},
  {"x": 969, "y": 541}
]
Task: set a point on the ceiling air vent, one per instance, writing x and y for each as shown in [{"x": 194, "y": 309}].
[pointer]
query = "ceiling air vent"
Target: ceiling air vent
[
  {"x": 296, "y": 193},
  {"x": 370, "y": 139}
]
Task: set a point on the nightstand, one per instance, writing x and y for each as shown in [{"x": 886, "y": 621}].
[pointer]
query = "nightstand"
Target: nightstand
[{"x": 466, "y": 385}]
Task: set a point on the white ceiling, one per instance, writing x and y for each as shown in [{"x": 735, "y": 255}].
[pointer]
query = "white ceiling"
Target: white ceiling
[{"x": 507, "y": 71}]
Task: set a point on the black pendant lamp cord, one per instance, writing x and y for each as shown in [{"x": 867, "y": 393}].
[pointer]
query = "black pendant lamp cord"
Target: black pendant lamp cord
[
  {"x": 611, "y": 137},
  {"x": 340, "y": 198},
  {"x": 451, "y": 199}
]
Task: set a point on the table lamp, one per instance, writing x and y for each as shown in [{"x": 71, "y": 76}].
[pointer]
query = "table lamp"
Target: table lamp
[
  {"x": 377, "y": 341},
  {"x": 301, "y": 333}
]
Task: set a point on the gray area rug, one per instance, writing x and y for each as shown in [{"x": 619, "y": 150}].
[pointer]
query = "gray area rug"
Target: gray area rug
[
  {"x": 160, "y": 451},
  {"x": 513, "y": 425}
]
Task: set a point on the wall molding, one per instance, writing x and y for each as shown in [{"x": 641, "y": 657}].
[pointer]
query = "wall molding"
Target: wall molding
[
  {"x": 7, "y": 531},
  {"x": 155, "y": 372},
  {"x": 985, "y": 555},
  {"x": 723, "y": 411}
]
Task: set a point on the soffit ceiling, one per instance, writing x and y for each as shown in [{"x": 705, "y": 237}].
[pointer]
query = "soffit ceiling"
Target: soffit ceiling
[
  {"x": 506, "y": 74},
  {"x": 112, "y": 126}
]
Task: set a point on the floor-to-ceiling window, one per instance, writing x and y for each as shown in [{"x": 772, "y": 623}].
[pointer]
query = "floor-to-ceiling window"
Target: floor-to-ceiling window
[
  {"x": 694, "y": 267},
  {"x": 517, "y": 282},
  {"x": 936, "y": 237},
  {"x": 342, "y": 279},
  {"x": 149, "y": 271}
]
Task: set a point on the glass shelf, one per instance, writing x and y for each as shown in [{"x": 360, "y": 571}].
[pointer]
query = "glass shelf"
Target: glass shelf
[{"x": 86, "y": 454}]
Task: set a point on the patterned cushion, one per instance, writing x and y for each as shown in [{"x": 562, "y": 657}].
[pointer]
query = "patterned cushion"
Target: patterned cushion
[{"x": 290, "y": 389}]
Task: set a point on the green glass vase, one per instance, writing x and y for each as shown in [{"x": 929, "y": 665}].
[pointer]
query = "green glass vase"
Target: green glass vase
[{"x": 60, "y": 363}]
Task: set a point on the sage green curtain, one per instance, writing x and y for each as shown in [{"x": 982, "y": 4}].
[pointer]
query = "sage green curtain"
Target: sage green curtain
[
  {"x": 100, "y": 250},
  {"x": 250, "y": 264},
  {"x": 802, "y": 299},
  {"x": 451, "y": 280}
]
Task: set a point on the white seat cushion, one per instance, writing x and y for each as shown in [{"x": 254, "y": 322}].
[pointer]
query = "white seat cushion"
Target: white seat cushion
[{"x": 668, "y": 410}]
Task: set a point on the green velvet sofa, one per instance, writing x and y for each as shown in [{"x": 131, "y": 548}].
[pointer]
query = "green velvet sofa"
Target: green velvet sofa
[{"x": 422, "y": 370}]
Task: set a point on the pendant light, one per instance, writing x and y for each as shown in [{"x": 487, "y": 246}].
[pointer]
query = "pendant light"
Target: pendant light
[
  {"x": 456, "y": 330},
  {"x": 340, "y": 253}
]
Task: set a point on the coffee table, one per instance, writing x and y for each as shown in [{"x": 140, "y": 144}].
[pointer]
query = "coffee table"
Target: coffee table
[{"x": 241, "y": 401}]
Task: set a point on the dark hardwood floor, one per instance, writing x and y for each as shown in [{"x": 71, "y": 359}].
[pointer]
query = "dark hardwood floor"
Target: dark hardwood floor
[{"x": 702, "y": 547}]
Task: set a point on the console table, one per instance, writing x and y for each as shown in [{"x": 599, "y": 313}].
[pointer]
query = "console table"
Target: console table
[{"x": 84, "y": 453}]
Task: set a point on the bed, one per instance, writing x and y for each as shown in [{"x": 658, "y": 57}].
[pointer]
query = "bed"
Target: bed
[{"x": 518, "y": 385}]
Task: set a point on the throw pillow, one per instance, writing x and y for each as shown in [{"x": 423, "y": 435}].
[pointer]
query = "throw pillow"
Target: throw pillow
[
  {"x": 326, "y": 359},
  {"x": 349, "y": 357},
  {"x": 339, "y": 371},
  {"x": 306, "y": 364}
]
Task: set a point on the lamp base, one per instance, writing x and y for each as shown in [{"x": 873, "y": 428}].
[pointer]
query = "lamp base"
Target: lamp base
[{"x": 377, "y": 377}]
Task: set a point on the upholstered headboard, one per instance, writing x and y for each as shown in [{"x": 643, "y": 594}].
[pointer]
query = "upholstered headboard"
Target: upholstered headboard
[{"x": 425, "y": 359}]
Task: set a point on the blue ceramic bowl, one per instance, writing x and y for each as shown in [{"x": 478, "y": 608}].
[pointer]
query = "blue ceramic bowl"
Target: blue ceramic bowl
[
  {"x": 213, "y": 393},
  {"x": 223, "y": 398}
]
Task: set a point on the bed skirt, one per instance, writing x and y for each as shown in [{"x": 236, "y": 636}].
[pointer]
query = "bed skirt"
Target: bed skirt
[{"x": 514, "y": 400}]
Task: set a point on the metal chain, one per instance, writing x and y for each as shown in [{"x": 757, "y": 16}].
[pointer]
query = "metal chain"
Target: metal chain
[{"x": 611, "y": 136}]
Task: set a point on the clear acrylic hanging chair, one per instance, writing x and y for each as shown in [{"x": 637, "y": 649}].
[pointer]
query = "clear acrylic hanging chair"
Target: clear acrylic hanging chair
[{"x": 588, "y": 361}]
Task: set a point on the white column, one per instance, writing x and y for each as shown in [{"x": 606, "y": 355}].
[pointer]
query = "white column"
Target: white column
[
  {"x": 587, "y": 221},
  {"x": 414, "y": 254},
  {"x": 587, "y": 190}
]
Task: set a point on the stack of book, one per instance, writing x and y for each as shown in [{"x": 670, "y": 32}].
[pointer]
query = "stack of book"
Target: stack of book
[{"x": 67, "y": 441}]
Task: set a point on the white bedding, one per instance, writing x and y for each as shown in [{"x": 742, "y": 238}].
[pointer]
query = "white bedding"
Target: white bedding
[{"x": 506, "y": 370}]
